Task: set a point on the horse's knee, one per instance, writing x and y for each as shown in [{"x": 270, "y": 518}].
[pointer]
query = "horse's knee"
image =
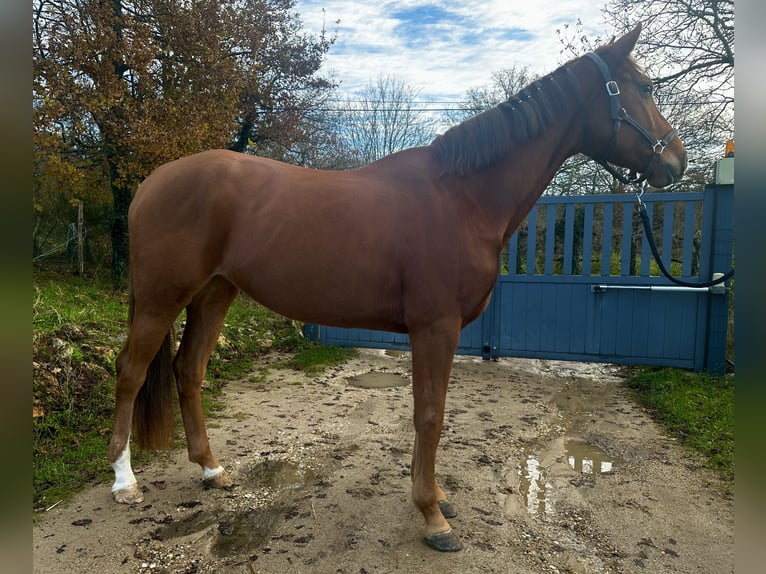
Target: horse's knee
[
  {"x": 180, "y": 369},
  {"x": 130, "y": 378},
  {"x": 429, "y": 422}
]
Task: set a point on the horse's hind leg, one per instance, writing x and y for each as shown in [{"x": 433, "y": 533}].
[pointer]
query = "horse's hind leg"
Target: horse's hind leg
[
  {"x": 204, "y": 319},
  {"x": 433, "y": 351},
  {"x": 145, "y": 337}
]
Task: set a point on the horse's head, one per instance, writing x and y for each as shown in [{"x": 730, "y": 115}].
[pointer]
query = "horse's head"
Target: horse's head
[{"x": 623, "y": 124}]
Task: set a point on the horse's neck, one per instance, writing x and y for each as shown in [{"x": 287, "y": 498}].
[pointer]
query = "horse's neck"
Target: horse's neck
[{"x": 510, "y": 188}]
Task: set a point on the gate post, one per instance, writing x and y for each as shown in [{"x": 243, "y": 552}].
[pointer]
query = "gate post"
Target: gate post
[{"x": 721, "y": 201}]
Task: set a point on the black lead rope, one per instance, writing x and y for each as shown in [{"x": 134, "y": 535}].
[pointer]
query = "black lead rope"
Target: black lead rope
[{"x": 653, "y": 246}]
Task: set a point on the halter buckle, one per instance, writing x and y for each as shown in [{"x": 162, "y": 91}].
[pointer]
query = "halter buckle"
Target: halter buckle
[
  {"x": 612, "y": 88},
  {"x": 659, "y": 147}
]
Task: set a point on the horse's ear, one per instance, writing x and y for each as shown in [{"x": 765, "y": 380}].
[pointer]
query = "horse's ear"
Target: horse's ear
[{"x": 620, "y": 48}]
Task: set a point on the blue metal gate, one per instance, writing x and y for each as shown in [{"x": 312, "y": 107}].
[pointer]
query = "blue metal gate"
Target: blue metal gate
[{"x": 577, "y": 282}]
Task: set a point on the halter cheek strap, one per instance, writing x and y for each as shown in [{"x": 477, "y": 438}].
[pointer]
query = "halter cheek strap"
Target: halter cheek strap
[{"x": 618, "y": 115}]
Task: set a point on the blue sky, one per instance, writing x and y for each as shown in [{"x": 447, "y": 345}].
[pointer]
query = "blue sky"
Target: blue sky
[{"x": 444, "y": 47}]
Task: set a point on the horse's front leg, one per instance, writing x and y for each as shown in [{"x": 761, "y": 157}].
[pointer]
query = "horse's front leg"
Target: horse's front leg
[{"x": 433, "y": 350}]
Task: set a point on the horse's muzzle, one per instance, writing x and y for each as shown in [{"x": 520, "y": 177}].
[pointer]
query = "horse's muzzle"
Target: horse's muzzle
[{"x": 668, "y": 170}]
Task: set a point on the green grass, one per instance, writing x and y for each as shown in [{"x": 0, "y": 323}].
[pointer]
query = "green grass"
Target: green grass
[
  {"x": 313, "y": 359},
  {"x": 69, "y": 446},
  {"x": 79, "y": 324},
  {"x": 696, "y": 408},
  {"x": 62, "y": 300}
]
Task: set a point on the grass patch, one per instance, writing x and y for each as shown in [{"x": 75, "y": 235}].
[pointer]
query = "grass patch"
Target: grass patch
[
  {"x": 313, "y": 359},
  {"x": 696, "y": 408},
  {"x": 61, "y": 301}
]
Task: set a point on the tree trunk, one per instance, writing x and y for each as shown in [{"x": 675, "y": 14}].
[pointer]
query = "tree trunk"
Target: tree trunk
[
  {"x": 243, "y": 136},
  {"x": 121, "y": 197}
]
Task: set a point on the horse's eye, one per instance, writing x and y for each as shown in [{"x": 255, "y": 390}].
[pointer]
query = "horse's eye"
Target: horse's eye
[{"x": 647, "y": 89}]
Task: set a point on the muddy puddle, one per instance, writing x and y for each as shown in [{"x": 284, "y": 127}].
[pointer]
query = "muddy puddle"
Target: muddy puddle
[
  {"x": 535, "y": 487},
  {"x": 396, "y": 354},
  {"x": 536, "y": 480},
  {"x": 246, "y": 531},
  {"x": 278, "y": 475},
  {"x": 249, "y": 528},
  {"x": 588, "y": 458}
]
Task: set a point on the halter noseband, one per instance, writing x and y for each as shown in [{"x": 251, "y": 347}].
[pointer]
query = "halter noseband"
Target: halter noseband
[{"x": 619, "y": 115}]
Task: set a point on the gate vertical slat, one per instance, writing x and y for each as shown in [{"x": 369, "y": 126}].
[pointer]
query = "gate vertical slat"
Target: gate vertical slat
[
  {"x": 606, "y": 240},
  {"x": 646, "y": 254},
  {"x": 568, "y": 238},
  {"x": 627, "y": 234},
  {"x": 531, "y": 240},
  {"x": 550, "y": 236},
  {"x": 688, "y": 238},
  {"x": 513, "y": 254},
  {"x": 668, "y": 215},
  {"x": 708, "y": 222},
  {"x": 587, "y": 240}
]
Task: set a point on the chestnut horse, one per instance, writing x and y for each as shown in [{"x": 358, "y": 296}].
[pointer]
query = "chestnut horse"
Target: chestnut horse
[{"x": 409, "y": 244}]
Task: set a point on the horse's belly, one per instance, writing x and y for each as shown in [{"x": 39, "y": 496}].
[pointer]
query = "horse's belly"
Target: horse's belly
[{"x": 326, "y": 292}]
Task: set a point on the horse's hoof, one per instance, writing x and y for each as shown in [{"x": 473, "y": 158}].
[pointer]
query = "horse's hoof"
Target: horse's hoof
[
  {"x": 130, "y": 495},
  {"x": 220, "y": 480},
  {"x": 448, "y": 511},
  {"x": 444, "y": 541}
]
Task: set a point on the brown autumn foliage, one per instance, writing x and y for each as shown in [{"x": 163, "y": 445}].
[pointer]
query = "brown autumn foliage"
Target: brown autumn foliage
[{"x": 121, "y": 86}]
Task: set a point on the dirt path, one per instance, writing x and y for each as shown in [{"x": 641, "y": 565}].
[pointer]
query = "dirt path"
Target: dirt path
[{"x": 323, "y": 484}]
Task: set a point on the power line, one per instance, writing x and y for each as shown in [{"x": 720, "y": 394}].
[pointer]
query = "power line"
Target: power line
[{"x": 423, "y": 107}]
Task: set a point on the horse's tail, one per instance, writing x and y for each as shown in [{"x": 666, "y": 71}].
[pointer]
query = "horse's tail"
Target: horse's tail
[{"x": 154, "y": 417}]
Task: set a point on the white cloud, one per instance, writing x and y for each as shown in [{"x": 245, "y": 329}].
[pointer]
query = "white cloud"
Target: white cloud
[{"x": 444, "y": 47}]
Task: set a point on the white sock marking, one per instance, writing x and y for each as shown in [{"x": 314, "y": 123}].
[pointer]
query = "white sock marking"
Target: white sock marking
[
  {"x": 123, "y": 472},
  {"x": 208, "y": 473}
]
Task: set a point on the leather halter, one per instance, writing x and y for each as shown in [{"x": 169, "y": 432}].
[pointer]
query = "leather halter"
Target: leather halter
[{"x": 619, "y": 115}]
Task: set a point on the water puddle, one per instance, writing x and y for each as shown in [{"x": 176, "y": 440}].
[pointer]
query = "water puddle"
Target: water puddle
[
  {"x": 248, "y": 529},
  {"x": 396, "y": 354},
  {"x": 534, "y": 487},
  {"x": 588, "y": 458},
  {"x": 536, "y": 482},
  {"x": 374, "y": 380}
]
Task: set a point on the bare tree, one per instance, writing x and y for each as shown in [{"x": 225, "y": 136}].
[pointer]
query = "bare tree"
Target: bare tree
[
  {"x": 121, "y": 86},
  {"x": 505, "y": 83},
  {"x": 689, "y": 45},
  {"x": 384, "y": 118}
]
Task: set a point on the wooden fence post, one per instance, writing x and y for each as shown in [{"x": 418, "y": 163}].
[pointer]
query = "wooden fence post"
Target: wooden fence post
[{"x": 80, "y": 238}]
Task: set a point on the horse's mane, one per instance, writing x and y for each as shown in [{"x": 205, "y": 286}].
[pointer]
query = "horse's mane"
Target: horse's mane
[{"x": 482, "y": 140}]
